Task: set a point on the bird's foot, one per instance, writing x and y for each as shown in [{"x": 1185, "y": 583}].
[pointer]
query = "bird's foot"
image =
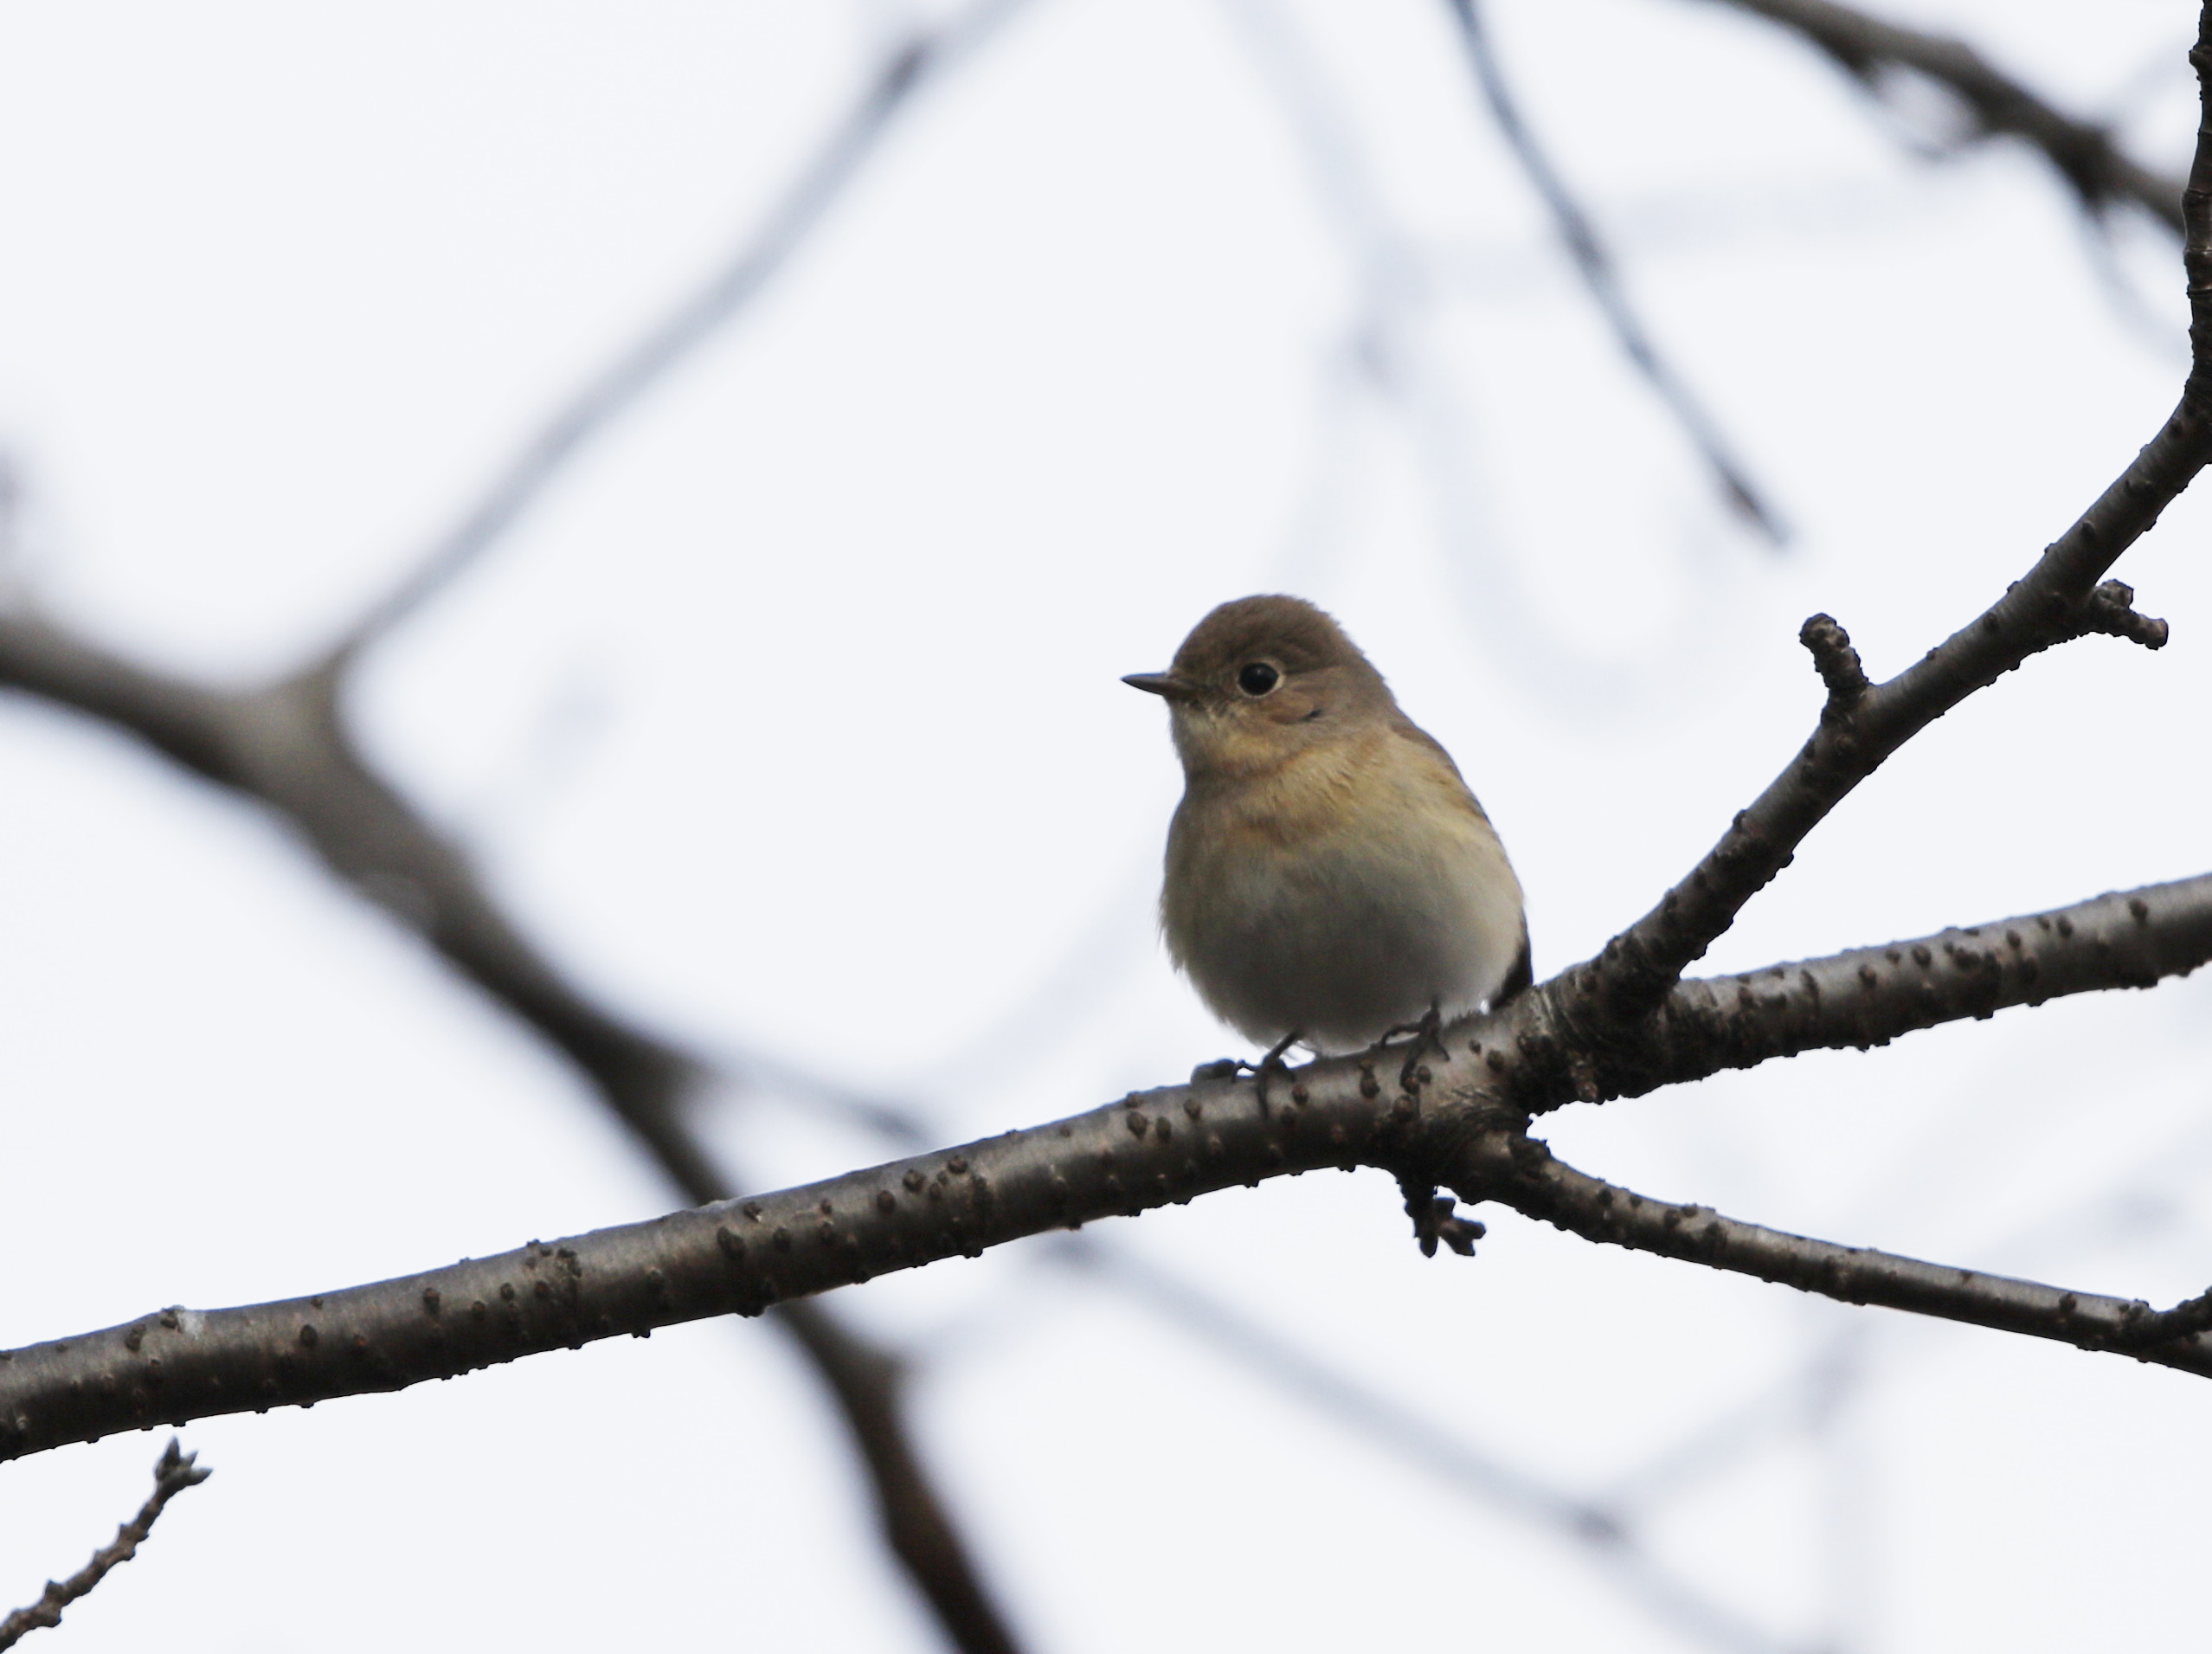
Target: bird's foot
[
  {"x": 1436, "y": 1218},
  {"x": 1261, "y": 1072}
]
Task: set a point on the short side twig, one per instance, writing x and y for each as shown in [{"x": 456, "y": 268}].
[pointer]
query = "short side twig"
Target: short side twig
[
  {"x": 1603, "y": 277},
  {"x": 173, "y": 1473},
  {"x": 1836, "y": 661}
]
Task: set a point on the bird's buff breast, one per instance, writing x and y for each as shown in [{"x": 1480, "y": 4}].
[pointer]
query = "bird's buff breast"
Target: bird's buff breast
[{"x": 1340, "y": 895}]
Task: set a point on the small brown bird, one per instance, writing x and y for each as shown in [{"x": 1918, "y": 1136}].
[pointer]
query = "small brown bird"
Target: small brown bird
[{"x": 1330, "y": 878}]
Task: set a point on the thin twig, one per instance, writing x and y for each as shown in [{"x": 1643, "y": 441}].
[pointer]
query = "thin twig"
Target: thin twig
[
  {"x": 617, "y": 387},
  {"x": 1386, "y": 351},
  {"x": 1602, "y": 277},
  {"x": 2082, "y": 152},
  {"x": 1527, "y": 1177},
  {"x": 173, "y": 1473}
]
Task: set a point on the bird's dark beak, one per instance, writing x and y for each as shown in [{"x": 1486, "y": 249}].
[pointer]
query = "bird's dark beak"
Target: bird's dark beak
[{"x": 1166, "y": 685}]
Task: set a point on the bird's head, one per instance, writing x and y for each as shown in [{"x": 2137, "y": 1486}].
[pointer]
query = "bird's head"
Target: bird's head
[{"x": 1259, "y": 680}]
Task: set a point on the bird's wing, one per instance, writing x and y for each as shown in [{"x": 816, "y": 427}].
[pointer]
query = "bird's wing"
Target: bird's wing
[
  {"x": 1405, "y": 726},
  {"x": 1522, "y": 974}
]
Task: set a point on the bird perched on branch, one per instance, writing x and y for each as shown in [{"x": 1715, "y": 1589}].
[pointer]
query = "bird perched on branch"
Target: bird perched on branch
[{"x": 1331, "y": 881}]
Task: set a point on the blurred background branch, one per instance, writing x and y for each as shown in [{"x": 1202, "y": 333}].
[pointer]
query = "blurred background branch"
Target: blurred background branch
[
  {"x": 1875, "y": 52},
  {"x": 917, "y": 61},
  {"x": 287, "y": 746},
  {"x": 650, "y": 1081},
  {"x": 1600, "y": 274}
]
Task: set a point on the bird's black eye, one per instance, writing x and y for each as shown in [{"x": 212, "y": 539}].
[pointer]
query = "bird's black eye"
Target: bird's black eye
[{"x": 1257, "y": 678}]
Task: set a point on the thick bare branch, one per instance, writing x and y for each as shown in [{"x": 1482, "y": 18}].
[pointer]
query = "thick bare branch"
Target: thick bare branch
[
  {"x": 173, "y": 1473},
  {"x": 2058, "y": 600},
  {"x": 650, "y": 1076},
  {"x": 1868, "y": 50},
  {"x": 1600, "y": 274},
  {"x": 1462, "y": 1126},
  {"x": 616, "y": 388},
  {"x": 1622, "y": 1025},
  {"x": 1605, "y": 1541},
  {"x": 1870, "y": 996}
]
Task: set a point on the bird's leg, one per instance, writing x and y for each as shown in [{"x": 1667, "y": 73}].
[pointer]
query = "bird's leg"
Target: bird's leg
[
  {"x": 1272, "y": 1064},
  {"x": 1427, "y": 1031}
]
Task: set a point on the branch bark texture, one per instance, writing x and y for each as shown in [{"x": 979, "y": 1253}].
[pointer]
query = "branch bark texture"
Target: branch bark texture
[
  {"x": 1462, "y": 1124},
  {"x": 1619, "y": 1026}
]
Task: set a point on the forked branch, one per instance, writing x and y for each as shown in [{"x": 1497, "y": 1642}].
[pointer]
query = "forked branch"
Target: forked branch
[
  {"x": 2058, "y": 600},
  {"x": 1464, "y": 1124}
]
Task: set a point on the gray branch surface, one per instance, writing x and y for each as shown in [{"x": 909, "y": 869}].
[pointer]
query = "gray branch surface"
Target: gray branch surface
[
  {"x": 1461, "y": 1123},
  {"x": 173, "y": 1473},
  {"x": 2097, "y": 170},
  {"x": 1868, "y": 996}
]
